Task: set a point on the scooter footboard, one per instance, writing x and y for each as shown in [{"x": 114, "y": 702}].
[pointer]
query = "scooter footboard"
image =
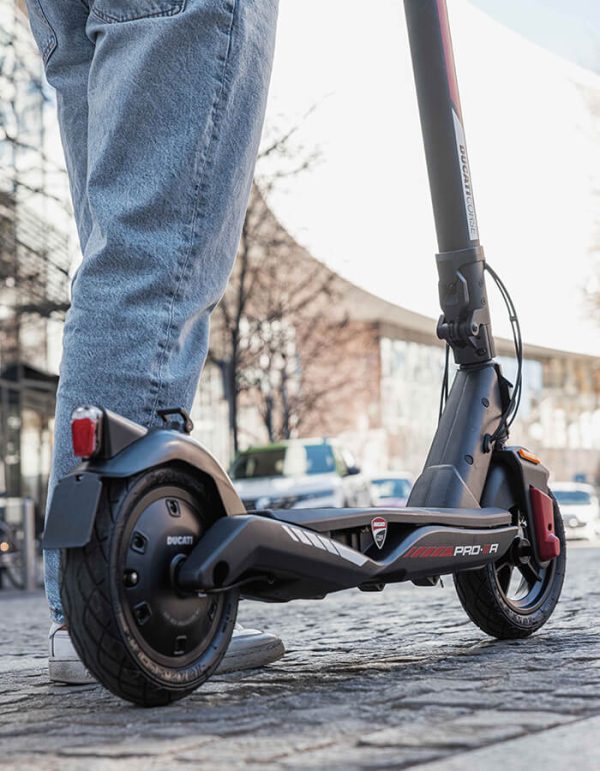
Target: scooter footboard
[
  {"x": 237, "y": 548},
  {"x": 279, "y": 561}
]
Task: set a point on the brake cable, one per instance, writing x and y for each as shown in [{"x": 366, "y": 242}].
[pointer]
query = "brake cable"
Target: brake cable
[{"x": 510, "y": 413}]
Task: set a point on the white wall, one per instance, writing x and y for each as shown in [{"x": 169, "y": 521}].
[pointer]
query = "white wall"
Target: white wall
[{"x": 365, "y": 208}]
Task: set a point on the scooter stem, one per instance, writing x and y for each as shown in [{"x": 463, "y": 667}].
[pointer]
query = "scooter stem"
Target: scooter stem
[{"x": 465, "y": 322}]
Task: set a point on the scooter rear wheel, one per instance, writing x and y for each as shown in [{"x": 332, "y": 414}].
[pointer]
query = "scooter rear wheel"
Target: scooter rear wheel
[
  {"x": 136, "y": 633},
  {"x": 515, "y": 596}
]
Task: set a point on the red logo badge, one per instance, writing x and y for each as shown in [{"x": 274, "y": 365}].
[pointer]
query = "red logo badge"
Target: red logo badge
[{"x": 379, "y": 530}]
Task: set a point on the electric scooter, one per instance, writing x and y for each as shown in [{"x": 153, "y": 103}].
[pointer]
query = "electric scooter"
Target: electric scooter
[{"x": 158, "y": 548}]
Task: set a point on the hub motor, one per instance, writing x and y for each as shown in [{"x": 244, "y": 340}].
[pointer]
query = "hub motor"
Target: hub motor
[
  {"x": 137, "y": 632},
  {"x": 163, "y": 528}
]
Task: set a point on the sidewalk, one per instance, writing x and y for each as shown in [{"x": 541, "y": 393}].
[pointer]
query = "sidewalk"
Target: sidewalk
[{"x": 396, "y": 680}]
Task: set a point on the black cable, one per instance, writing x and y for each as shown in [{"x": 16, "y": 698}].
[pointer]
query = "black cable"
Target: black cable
[
  {"x": 512, "y": 408},
  {"x": 445, "y": 382}
]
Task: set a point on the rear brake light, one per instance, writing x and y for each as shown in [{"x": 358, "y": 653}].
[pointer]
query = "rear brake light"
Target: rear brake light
[{"x": 86, "y": 426}]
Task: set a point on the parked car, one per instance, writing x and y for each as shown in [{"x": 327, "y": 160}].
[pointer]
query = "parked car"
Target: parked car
[
  {"x": 580, "y": 509},
  {"x": 299, "y": 473},
  {"x": 391, "y": 489}
]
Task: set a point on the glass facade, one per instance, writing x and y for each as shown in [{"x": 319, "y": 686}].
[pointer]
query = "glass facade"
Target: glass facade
[
  {"x": 411, "y": 377},
  {"x": 35, "y": 259},
  {"x": 559, "y": 416}
]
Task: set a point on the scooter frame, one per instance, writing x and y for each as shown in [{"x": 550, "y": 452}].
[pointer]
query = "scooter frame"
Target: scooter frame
[{"x": 463, "y": 510}]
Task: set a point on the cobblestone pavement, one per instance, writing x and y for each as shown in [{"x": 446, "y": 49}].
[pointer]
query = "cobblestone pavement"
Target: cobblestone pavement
[{"x": 391, "y": 680}]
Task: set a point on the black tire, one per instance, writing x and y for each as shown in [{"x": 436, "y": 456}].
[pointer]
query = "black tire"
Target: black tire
[
  {"x": 485, "y": 595},
  {"x": 135, "y": 633}
]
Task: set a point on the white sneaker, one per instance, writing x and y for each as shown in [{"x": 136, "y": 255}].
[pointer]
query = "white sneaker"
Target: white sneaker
[
  {"x": 248, "y": 649},
  {"x": 64, "y": 665}
]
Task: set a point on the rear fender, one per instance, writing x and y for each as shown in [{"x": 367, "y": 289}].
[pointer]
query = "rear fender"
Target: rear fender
[{"x": 75, "y": 500}]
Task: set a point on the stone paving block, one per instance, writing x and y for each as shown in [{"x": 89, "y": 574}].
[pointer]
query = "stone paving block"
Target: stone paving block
[
  {"x": 527, "y": 719},
  {"x": 137, "y": 747},
  {"x": 448, "y": 737},
  {"x": 396, "y": 680},
  {"x": 574, "y": 746}
]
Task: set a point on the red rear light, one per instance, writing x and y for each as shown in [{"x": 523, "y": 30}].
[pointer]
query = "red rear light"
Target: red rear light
[{"x": 86, "y": 423}]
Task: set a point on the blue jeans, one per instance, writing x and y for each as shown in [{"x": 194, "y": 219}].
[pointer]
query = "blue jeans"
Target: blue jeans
[{"x": 161, "y": 105}]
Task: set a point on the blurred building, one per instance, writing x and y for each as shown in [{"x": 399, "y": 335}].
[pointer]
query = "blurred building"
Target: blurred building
[
  {"x": 34, "y": 261},
  {"x": 532, "y": 124},
  {"x": 386, "y": 403},
  {"x": 378, "y": 385}
]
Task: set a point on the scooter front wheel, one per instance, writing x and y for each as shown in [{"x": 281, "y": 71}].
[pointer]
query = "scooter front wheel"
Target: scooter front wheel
[
  {"x": 136, "y": 633},
  {"x": 515, "y": 596}
]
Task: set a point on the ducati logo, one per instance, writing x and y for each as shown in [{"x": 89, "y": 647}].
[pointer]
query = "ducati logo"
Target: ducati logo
[
  {"x": 379, "y": 530},
  {"x": 180, "y": 540}
]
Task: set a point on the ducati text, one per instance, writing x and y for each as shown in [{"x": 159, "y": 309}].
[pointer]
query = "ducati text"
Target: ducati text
[{"x": 180, "y": 540}]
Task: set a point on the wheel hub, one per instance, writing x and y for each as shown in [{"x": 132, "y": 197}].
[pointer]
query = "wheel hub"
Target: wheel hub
[
  {"x": 163, "y": 529},
  {"x": 522, "y": 581},
  {"x": 521, "y": 551}
]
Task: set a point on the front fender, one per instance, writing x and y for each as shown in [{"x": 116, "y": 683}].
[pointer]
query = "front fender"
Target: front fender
[
  {"x": 510, "y": 481},
  {"x": 75, "y": 500},
  {"x": 520, "y": 474}
]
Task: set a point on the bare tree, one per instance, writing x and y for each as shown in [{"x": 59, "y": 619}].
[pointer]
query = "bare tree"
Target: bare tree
[
  {"x": 298, "y": 336},
  {"x": 277, "y": 323},
  {"x": 230, "y": 349}
]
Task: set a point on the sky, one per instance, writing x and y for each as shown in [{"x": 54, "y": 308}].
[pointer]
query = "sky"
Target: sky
[
  {"x": 364, "y": 208},
  {"x": 569, "y": 28}
]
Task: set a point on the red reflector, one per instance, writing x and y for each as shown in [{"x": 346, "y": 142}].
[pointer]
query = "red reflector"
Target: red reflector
[
  {"x": 547, "y": 542},
  {"x": 85, "y": 435}
]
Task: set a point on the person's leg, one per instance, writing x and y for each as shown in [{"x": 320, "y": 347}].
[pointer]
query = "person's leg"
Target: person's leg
[
  {"x": 170, "y": 128},
  {"x": 59, "y": 29}
]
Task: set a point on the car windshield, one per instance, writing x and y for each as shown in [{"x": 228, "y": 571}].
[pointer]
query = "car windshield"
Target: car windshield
[
  {"x": 291, "y": 461},
  {"x": 391, "y": 488},
  {"x": 259, "y": 463},
  {"x": 573, "y": 497}
]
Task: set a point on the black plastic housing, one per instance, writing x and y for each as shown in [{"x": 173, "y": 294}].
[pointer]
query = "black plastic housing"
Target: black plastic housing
[
  {"x": 465, "y": 322},
  {"x": 457, "y": 465},
  {"x": 279, "y": 561}
]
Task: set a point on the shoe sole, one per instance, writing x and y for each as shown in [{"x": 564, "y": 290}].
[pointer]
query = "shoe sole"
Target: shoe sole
[
  {"x": 251, "y": 654},
  {"x": 69, "y": 672}
]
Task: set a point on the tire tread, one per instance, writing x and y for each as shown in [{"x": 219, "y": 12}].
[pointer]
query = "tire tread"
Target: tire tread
[
  {"x": 479, "y": 596},
  {"x": 87, "y": 602}
]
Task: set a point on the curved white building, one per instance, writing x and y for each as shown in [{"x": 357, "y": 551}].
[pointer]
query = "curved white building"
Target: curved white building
[{"x": 364, "y": 208}]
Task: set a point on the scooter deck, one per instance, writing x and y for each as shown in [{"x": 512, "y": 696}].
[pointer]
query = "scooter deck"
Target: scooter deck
[
  {"x": 311, "y": 553},
  {"x": 331, "y": 519}
]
